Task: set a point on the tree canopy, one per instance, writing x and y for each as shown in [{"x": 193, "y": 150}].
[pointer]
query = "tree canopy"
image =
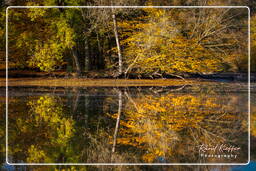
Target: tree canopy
[{"x": 145, "y": 41}]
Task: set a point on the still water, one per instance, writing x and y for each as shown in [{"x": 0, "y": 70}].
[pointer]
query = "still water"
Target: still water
[{"x": 180, "y": 124}]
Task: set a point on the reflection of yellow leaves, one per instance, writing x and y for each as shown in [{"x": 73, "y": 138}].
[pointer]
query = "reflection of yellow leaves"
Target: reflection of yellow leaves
[
  {"x": 42, "y": 125},
  {"x": 154, "y": 124},
  {"x": 48, "y": 111}
]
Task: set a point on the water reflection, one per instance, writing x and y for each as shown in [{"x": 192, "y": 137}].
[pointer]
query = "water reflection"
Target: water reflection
[
  {"x": 121, "y": 125},
  {"x": 169, "y": 127},
  {"x": 38, "y": 124}
]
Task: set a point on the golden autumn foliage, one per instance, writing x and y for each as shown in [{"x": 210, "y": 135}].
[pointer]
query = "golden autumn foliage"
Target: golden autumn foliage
[
  {"x": 41, "y": 39},
  {"x": 162, "y": 41},
  {"x": 153, "y": 42},
  {"x": 46, "y": 125},
  {"x": 157, "y": 125},
  {"x": 48, "y": 110}
]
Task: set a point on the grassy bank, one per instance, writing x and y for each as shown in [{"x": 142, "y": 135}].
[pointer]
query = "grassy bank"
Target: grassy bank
[{"x": 80, "y": 82}]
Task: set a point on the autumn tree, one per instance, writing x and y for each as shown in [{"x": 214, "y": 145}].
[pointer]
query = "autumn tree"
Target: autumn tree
[
  {"x": 223, "y": 32},
  {"x": 166, "y": 41},
  {"x": 42, "y": 37},
  {"x": 150, "y": 42}
]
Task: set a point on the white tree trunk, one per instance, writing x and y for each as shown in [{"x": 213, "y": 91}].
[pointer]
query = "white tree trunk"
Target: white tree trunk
[{"x": 120, "y": 62}]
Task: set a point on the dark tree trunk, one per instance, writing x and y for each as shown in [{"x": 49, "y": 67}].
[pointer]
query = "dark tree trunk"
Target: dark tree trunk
[{"x": 100, "y": 61}]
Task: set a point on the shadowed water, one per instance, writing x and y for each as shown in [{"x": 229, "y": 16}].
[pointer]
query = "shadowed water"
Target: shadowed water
[{"x": 183, "y": 124}]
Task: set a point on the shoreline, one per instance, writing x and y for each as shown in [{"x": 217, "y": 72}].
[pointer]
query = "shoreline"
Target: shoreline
[
  {"x": 28, "y": 78},
  {"x": 86, "y": 82}
]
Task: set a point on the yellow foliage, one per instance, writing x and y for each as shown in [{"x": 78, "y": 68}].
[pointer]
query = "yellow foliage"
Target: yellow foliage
[
  {"x": 35, "y": 155},
  {"x": 35, "y": 13},
  {"x": 156, "y": 44},
  {"x": 155, "y": 123},
  {"x": 40, "y": 37},
  {"x": 48, "y": 110}
]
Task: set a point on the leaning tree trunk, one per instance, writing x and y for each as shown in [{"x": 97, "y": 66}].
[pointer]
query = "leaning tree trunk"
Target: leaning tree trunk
[
  {"x": 120, "y": 62},
  {"x": 75, "y": 56}
]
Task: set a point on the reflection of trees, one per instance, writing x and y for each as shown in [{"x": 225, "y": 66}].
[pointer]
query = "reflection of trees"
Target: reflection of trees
[
  {"x": 154, "y": 126},
  {"x": 118, "y": 119},
  {"x": 162, "y": 126},
  {"x": 98, "y": 134},
  {"x": 40, "y": 130}
]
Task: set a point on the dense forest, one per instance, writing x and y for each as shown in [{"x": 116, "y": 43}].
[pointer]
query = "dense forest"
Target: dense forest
[
  {"x": 67, "y": 122},
  {"x": 127, "y": 42}
]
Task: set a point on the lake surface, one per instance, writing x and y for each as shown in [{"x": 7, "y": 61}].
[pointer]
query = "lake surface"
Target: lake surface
[{"x": 178, "y": 124}]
